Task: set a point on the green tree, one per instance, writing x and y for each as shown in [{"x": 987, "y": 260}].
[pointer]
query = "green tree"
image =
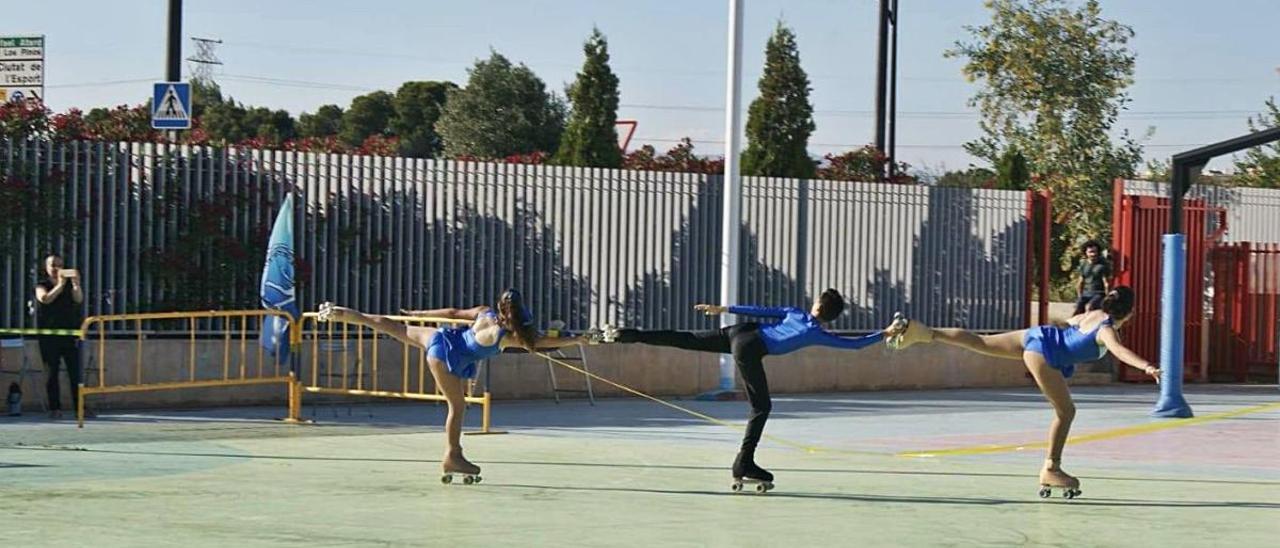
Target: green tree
[
  {"x": 591, "y": 135},
  {"x": 1054, "y": 77},
  {"x": 417, "y": 109},
  {"x": 203, "y": 94},
  {"x": 224, "y": 122},
  {"x": 863, "y": 164},
  {"x": 1260, "y": 166},
  {"x": 504, "y": 110},
  {"x": 272, "y": 127},
  {"x": 1011, "y": 170},
  {"x": 230, "y": 122},
  {"x": 974, "y": 177},
  {"x": 369, "y": 114},
  {"x": 327, "y": 121},
  {"x": 780, "y": 120}
]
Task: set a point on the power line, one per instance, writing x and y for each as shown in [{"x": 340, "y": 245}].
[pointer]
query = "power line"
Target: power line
[
  {"x": 103, "y": 83},
  {"x": 265, "y": 80},
  {"x": 1152, "y": 114},
  {"x": 860, "y": 145},
  {"x": 957, "y": 79}
]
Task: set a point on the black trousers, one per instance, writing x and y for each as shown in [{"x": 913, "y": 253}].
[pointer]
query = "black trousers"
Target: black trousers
[
  {"x": 743, "y": 341},
  {"x": 56, "y": 350},
  {"x": 1088, "y": 301}
]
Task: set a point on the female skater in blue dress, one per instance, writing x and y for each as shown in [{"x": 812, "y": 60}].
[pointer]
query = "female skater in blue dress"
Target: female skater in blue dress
[
  {"x": 453, "y": 352},
  {"x": 1051, "y": 353}
]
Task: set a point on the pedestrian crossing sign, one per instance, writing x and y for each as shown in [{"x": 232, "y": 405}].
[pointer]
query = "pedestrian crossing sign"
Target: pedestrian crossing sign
[{"x": 171, "y": 105}]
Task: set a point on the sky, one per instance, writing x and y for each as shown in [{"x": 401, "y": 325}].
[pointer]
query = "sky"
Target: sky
[{"x": 1202, "y": 67}]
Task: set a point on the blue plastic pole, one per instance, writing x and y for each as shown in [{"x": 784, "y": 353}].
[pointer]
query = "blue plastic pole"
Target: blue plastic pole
[{"x": 1172, "y": 329}]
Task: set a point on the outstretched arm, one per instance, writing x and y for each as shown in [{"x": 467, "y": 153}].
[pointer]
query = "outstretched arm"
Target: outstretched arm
[
  {"x": 761, "y": 311},
  {"x": 852, "y": 343},
  {"x": 449, "y": 313},
  {"x": 1109, "y": 337}
]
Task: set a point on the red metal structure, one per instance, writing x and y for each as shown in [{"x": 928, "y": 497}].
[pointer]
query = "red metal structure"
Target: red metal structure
[
  {"x": 1137, "y": 226},
  {"x": 1242, "y": 335},
  {"x": 631, "y": 131},
  {"x": 1039, "y": 235}
]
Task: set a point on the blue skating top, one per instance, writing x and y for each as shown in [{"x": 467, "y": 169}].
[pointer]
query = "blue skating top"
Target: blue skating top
[{"x": 798, "y": 329}]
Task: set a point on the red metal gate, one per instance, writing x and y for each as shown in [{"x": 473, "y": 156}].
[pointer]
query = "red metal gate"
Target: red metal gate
[
  {"x": 1242, "y": 334},
  {"x": 1138, "y": 226}
]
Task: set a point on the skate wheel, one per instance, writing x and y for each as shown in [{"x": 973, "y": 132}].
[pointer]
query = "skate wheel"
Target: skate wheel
[
  {"x": 478, "y": 478},
  {"x": 1045, "y": 492},
  {"x": 468, "y": 480},
  {"x": 446, "y": 479},
  {"x": 1071, "y": 493},
  {"x": 761, "y": 487},
  {"x": 737, "y": 486}
]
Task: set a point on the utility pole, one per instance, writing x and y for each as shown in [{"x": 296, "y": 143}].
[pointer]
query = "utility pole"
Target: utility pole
[
  {"x": 173, "y": 59},
  {"x": 173, "y": 55},
  {"x": 887, "y": 85},
  {"x": 882, "y": 63}
]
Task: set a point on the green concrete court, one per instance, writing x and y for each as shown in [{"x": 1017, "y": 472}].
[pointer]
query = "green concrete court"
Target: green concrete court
[{"x": 632, "y": 473}]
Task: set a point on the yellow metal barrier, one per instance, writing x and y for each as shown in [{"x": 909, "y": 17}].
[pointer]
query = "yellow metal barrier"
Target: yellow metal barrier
[
  {"x": 323, "y": 374},
  {"x": 94, "y": 333}
]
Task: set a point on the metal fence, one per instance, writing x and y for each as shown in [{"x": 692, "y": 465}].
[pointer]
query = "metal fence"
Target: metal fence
[
  {"x": 1252, "y": 213},
  {"x": 159, "y": 227}
]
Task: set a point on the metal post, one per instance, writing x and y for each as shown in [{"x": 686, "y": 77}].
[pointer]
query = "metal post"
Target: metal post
[
  {"x": 882, "y": 51},
  {"x": 173, "y": 60},
  {"x": 1173, "y": 302},
  {"x": 892, "y": 152},
  {"x": 730, "y": 252},
  {"x": 1046, "y": 243},
  {"x": 1181, "y": 181},
  {"x": 173, "y": 56}
]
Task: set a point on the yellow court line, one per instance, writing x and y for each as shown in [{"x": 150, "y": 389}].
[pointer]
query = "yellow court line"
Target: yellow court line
[
  {"x": 1096, "y": 436},
  {"x": 804, "y": 447}
]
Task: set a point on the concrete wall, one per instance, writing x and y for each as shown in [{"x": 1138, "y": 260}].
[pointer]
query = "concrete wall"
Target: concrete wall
[{"x": 657, "y": 371}]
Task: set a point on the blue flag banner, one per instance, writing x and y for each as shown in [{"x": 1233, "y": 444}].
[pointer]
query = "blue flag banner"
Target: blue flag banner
[{"x": 277, "y": 291}]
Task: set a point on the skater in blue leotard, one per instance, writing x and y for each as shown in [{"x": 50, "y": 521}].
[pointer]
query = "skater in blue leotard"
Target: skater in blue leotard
[
  {"x": 452, "y": 352},
  {"x": 1050, "y": 353},
  {"x": 749, "y": 342}
]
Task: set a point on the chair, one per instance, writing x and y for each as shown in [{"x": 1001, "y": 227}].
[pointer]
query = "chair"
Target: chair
[{"x": 581, "y": 357}]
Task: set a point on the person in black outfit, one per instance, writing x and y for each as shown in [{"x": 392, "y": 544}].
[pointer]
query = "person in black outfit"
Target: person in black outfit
[
  {"x": 1095, "y": 278},
  {"x": 749, "y": 342},
  {"x": 58, "y": 302}
]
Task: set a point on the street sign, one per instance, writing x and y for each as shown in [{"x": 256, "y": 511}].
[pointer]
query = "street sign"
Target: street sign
[
  {"x": 171, "y": 105},
  {"x": 21, "y": 68}
]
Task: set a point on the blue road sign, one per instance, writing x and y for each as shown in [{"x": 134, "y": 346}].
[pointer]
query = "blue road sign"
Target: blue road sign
[{"x": 171, "y": 105}]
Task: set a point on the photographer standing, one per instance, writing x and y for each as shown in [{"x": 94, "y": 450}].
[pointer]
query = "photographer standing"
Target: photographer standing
[{"x": 58, "y": 303}]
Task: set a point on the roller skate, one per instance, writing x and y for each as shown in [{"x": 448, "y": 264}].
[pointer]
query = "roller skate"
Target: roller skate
[
  {"x": 456, "y": 465},
  {"x": 609, "y": 333},
  {"x": 604, "y": 334},
  {"x": 908, "y": 333},
  {"x": 893, "y": 337},
  {"x": 328, "y": 312},
  {"x": 746, "y": 472},
  {"x": 1052, "y": 477}
]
